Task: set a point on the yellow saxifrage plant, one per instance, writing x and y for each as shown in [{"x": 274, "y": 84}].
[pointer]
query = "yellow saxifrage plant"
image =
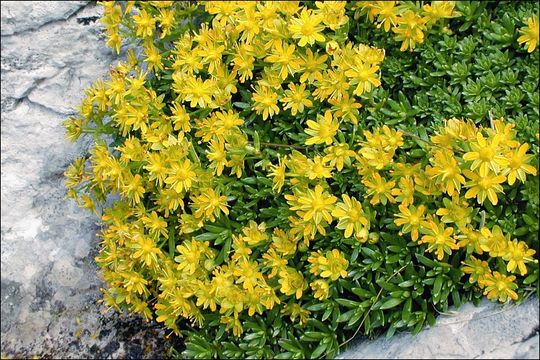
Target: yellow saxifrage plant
[{"x": 248, "y": 187}]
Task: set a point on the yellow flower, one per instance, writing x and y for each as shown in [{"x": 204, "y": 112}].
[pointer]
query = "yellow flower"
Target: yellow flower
[
  {"x": 405, "y": 191},
  {"x": 243, "y": 61},
  {"x": 494, "y": 241},
  {"x": 254, "y": 233},
  {"x": 530, "y": 34},
  {"x": 446, "y": 171},
  {"x": 333, "y": 13},
  {"x": 332, "y": 85},
  {"x": 500, "y": 286},
  {"x": 181, "y": 176},
  {"x": 166, "y": 22},
  {"x": 386, "y": 12},
  {"x": 197, "y": 91},
  {"x": 315, "y": 204},
  {"x": 145, "y": 24},
  {"x": 485, "y": 155},
  {"x": 346, "y": 108},
  {"x": 217, "y": 156},
  {"x": 364, "y": 76},
  {"x": 351, "y": 216},
  {"x": 296, "y": 311},
  {"x": 455, "y": 211},
  {"x": 283, "y": 242},
  {"x": 311, "y": 65},
  {"x": 133, "y": 281},
  {"x": 318, "y": 169},
  {"x": 233, "y": 323},
  {"x": 153, "y": 57},
  {"x": 274, "y": 262},
  {"x": 506, "y": 133},
  {"x": 307, "y": 27},
  {"x": 518, "y": 165},
  {"x": 292, "y": 282},
  {"x": 517, "y": 254},
  {"x": 379, "y": 189},
  {"x": 438, "y": 237},
  {"x": 156, "y": 224},
  {"x": 477, "y": 269},
  {"x": 169, "y": 199},
  {"x": 323, "y": 130},
  {"x": 248, "y": 274},
  {"x": 205, "y": 296},
  {"x": 156, "y": 167},
  {"x": 209, "y": 204},
  {"x": 331, "y": 265},
  {"x": 470, "y": 238},
  {"x": 284, "y": 59},
  {"x": 339, "y": 155},
  {"x": 410, "y": 30},
  {"x": 484, "y": 186},
  {"x": 265, "y": 102},
  {"x": 133, "y": 188},
  {"x": 146, "y": 250},
  {"x": 114, "y": 40},
  {"x": 410, "y": 218},
  {"x": 296, "y": 98},
  {"x": 439, "y": 10},
  {"x": 240, "y": 248},
  {"x": 277, "y": 172},
  {"x": 320, "y": 289},
  {"x": 228, "y": 120},
  {"x": 192, "y": 254}
]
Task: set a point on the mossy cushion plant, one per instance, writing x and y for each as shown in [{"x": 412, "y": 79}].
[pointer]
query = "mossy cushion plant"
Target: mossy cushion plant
[{"x": 287, "y": 175}]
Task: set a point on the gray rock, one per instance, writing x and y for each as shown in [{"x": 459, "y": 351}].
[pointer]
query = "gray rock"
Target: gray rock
[
  {"x": 20, "y": 16},
  {"x": 52, "y": 51},
  {"x": 490, "y": 330}
]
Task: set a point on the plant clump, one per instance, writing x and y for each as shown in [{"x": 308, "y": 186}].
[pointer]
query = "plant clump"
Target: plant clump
[{"x": 266, "y": 203}]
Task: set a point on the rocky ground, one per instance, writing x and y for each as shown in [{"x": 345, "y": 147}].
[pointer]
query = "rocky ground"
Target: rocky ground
[{"x": 51, "y": 51}]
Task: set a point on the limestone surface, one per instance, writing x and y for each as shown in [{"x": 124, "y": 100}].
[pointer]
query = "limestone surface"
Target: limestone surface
[
  {"x": 488, "y": 331},
  {"x": 50, "y": 52}
]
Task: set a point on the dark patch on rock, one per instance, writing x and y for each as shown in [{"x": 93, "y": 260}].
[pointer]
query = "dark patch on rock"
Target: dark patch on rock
[
  {"x": 87, "y": 20},
  {"x": 134, "y": 349},
  {"x": 110, "y": 348},
  {"x": 58, "y": 307},
  {"x": 11, "y": 298},
  {"x": 44, "y": 294},
  {"x": 533, "y": 333}
]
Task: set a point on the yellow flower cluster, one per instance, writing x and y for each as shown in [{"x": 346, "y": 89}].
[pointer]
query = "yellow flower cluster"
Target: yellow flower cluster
[
  {"x": 184, "y": 121},
  {"x": 408, "y": 24},
  {"x": 157, "y": 170}
]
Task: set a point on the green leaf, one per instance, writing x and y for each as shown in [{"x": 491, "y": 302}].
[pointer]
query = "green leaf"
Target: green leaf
[
  {"x": 288, "y": 345},
  {"x": 530, "y": 279},
  {"x": 437, "y": 286},
  {"x": 363, "y": 294},
  {"x": 348, "y": 303},
  {"x": 317, "y": 307},
  {"x": 284, "y": 355},
  {"x": 390, "y": 303},
  {"x": 424, "y": 260},
  {"x": 356, "y": 317},
  {"x": 406, "y": 283},
  {"x": 319, "y": 351},
  {"x": 345, "y": 316},
  {"x": 206, "y": 236}
]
